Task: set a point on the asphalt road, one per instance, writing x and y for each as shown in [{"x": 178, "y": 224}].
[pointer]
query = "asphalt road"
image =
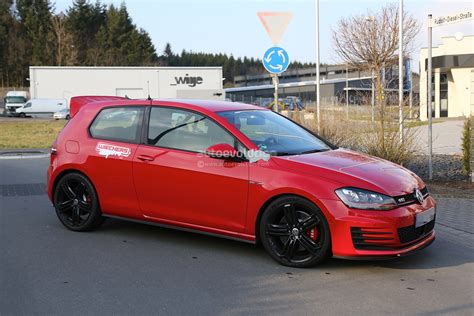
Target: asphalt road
[{"x": 127, "y": 268}]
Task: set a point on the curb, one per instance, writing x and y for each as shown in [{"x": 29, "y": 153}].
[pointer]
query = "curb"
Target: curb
[
  {"x": 6, "y": 154},
  {"x": 23, "y": 157}
]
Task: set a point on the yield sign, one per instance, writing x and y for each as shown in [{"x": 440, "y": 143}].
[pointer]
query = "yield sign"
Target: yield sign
[{"x": 275, "y": 23}]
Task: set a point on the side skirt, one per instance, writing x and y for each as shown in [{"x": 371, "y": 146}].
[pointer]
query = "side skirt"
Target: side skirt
[{"x": 153, "y": 223}]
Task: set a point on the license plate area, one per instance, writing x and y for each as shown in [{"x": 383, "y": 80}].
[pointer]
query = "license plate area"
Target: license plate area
[{"x": 425, "y": 217}]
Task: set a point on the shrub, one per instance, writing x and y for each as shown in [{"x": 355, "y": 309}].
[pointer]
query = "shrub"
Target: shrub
[
  {"x": 361, "y": 134},
  {"x": 466, "y": 146}
]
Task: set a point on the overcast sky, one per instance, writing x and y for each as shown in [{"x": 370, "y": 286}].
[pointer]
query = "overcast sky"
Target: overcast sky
[{"x": 232, "y": 26}]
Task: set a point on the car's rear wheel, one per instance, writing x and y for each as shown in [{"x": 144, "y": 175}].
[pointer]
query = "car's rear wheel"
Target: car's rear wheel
[
  {"x": 295, "y": 232},
  {"x": 76, "y": 203}
]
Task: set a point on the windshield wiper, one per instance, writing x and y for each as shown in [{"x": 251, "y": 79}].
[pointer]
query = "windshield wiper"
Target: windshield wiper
[
  {"x": 282, "y": 153},
  {"x": 313, "y": 151}
]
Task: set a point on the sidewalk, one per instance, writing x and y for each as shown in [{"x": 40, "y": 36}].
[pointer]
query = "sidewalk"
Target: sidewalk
[{"x": 446, "y": 137}]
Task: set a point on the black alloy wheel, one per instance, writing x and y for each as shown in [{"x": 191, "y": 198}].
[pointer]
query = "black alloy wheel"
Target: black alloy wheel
[
  {"x": 295, "y": 232},
  {"x": 76, "y": 203}
]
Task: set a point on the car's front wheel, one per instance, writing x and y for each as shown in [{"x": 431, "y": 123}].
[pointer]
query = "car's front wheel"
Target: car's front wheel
[
  {"x": 76, "y": 203},
  {"x": 295, "y": 232}
]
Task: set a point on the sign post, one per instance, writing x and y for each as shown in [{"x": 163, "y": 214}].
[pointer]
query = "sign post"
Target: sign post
[
  {"x": 439, "y": 21},
  {"x": 275, "y": 94},
  {"x": 275, "y": 60},
  {"x": 430, "y": 105}
]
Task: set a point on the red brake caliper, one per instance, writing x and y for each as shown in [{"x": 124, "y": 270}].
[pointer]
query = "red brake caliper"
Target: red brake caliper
[{"x": 313, "y": 234}]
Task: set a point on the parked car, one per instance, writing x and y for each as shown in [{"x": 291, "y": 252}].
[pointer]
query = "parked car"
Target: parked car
[
  {"x": 62, "y": 114},
  {"x": 237, "y": 171},
  {"x": 293, "y": 103},
  {"x": 41, "y": 107}
]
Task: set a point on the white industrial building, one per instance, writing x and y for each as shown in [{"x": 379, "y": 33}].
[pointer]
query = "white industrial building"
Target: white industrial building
[
  {"x": 133, "y": 82},
  {"x": 453, "y": 78}
]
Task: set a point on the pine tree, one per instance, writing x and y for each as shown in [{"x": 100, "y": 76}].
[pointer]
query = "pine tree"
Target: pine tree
[
  {"x": 83, "y": 22},
  {"x": 35, "y": 16}
]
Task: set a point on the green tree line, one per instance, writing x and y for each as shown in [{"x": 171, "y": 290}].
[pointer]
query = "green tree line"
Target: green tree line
[{"x": 91, "y": 34}]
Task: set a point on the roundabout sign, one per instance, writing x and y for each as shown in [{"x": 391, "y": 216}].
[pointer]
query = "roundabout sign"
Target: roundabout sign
[{"x": 275, "y": 60}]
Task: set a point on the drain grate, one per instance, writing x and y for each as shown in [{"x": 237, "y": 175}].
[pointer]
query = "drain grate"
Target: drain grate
[{"x": 22, "y": 189}]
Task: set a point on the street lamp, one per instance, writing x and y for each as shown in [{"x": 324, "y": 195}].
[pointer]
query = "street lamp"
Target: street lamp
[
  {"x": 400, "y": 69},
  {"x": 318, "y": 95}
]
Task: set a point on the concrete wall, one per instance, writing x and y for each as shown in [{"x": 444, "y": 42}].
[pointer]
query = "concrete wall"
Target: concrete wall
[{"x": 135, "y": 82}]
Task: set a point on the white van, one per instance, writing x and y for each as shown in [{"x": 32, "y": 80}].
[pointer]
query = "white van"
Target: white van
[{"x": 41, "y": 107}]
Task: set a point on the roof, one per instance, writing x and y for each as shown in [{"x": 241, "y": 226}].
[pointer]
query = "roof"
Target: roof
[
  {"x": 293, "y": 84},
  {"x": 208, "y": 105},
  {"x": 125, "y": 67}
]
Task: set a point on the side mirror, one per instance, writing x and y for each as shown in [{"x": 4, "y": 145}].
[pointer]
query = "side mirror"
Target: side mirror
[{"x": 222, "y": 151}]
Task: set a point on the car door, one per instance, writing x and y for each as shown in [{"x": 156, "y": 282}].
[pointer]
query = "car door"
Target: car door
[
  {"x": 114, "y": 136},
  {"x": 178, "y": 183}
]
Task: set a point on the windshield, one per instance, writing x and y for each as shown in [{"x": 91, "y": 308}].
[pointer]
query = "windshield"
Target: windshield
[
  {"x": 15, "y": 99},
  {"x": 273, "y": 133}
]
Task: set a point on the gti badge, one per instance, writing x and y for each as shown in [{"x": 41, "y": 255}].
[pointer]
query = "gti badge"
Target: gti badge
[{"x": 419, "y": 196}]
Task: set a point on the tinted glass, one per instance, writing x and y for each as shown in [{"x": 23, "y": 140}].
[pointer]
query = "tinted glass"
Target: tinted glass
[
  {"x": 185, "y": 130},
  {"x": 273, "y": 133},
  {"x": 119, "y": 124}
]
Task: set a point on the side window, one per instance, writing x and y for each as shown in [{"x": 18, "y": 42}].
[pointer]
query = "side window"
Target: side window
[
  {"x": 27, "y": 105},
  {"x": 185, "y": 130},
  {"x": 119, "y": 124}
]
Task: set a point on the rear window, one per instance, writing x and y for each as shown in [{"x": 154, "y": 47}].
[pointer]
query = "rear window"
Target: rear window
[{"x": 118, "y": 124}]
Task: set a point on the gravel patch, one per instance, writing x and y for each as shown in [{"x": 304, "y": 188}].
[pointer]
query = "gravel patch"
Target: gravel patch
[{"x": 445, "y": 167}]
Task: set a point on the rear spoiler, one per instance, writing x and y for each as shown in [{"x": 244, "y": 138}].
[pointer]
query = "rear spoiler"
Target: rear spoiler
[{"x": 77, "y": 102}]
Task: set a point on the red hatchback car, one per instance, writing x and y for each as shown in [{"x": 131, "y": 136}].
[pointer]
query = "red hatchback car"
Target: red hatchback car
[{"x": 236, "y": 171}]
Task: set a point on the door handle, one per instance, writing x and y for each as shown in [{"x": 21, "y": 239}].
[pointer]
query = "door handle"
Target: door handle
[{"x": 145, "y": 158}]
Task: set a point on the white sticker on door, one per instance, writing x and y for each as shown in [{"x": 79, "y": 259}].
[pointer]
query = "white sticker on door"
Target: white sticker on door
[{"x": 108, "y": 150}]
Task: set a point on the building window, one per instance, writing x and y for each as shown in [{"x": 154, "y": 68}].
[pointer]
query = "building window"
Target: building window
[{"x": 443, "y": 94}]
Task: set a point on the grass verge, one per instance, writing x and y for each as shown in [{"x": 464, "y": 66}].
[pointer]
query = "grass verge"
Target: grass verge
[{"x": 30, "y": 133}]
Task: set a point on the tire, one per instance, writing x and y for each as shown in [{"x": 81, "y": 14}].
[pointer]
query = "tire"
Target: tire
[
  {"x": 76, "y": 203},
  {"x": 295, "y": 233},
  {"x": 67, "y": 117},
  {"x": 22, "y": 115}
]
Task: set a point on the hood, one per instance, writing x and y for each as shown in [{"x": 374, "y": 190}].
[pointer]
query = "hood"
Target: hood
[{"x": 349, "y": 167}]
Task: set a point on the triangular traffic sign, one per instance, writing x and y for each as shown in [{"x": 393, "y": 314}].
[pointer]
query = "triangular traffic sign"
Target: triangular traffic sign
[{"x": 275, "y": 23}]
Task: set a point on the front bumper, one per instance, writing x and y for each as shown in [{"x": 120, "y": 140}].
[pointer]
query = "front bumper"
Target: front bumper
[{"x": 378, "y": 234}]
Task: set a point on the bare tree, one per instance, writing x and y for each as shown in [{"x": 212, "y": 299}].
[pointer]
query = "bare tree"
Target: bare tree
[
  {"x": 371, "y": 41},
  {"x": 65, "y": 52}
]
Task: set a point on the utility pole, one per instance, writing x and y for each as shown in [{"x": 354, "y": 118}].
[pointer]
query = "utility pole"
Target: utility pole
[
  {"x": 318, "y": 94},
  {"x": 400, "y": 69},
  {"x": 373, "y": 97},
  {"x": 347, "y": 92},
  {"x": 410, "y": 95}
]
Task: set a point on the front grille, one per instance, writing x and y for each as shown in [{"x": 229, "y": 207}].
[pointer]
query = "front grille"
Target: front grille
[
  {"x": 410, "y": 233},
  {"x": 410, "y": 198},
  {"x": 372, "y": 239}
]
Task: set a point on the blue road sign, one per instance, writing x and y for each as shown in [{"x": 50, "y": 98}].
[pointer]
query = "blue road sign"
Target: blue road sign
[{"x": 276, "y": 60}]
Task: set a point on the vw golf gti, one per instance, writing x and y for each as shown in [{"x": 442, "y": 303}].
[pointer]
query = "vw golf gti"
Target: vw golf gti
[{"x": 236, "y": 171}]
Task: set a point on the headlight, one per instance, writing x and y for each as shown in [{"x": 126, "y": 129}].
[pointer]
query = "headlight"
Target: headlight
[{"x": 365, "y": 200}]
